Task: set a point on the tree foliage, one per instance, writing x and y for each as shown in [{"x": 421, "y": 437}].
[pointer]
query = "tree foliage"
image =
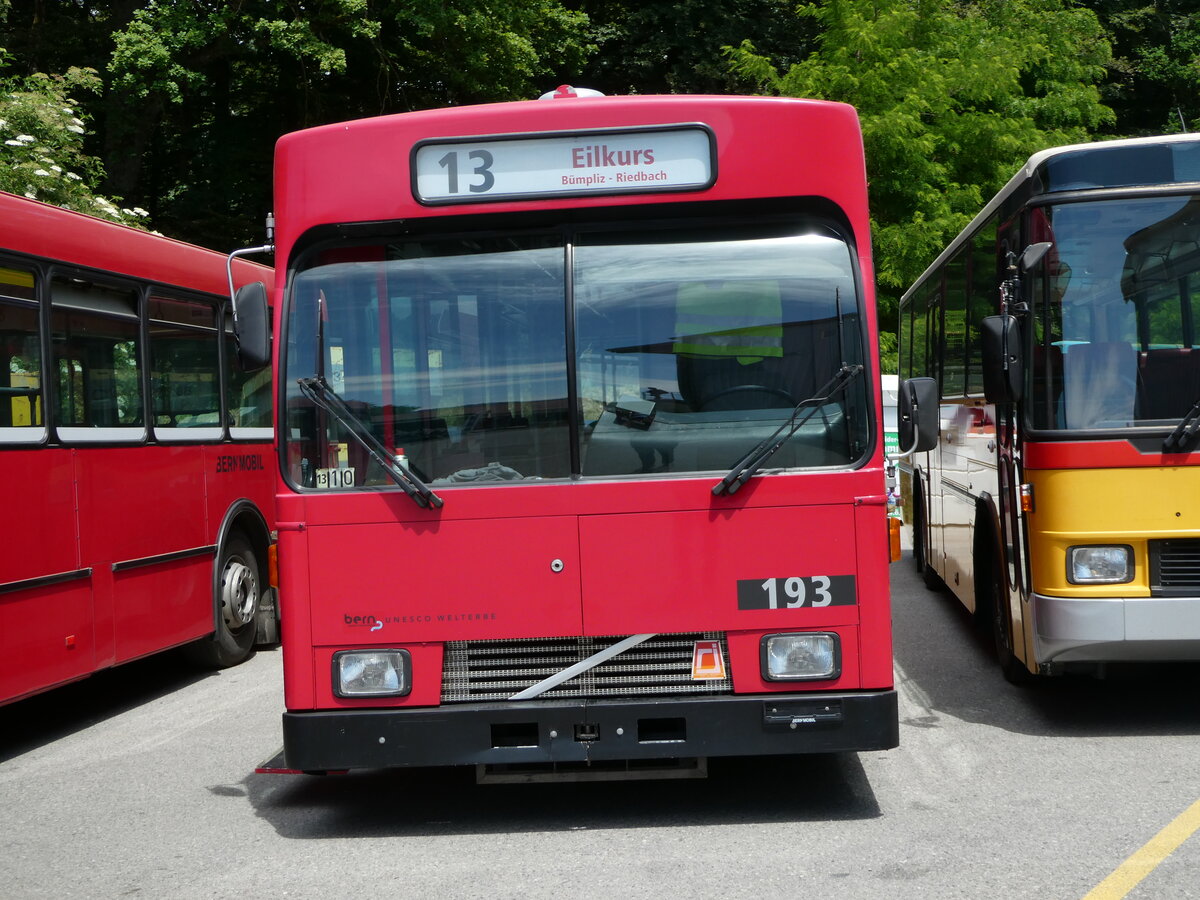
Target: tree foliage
[
  {"x": 196, "y": 93},
  {"x": 43, "y": 130},
  {"x": 674, "y": 46},
  {"x": 176, "y": 106},
  {"x": 952, "y": 97},
  {"x": 1154, "y": 78}
]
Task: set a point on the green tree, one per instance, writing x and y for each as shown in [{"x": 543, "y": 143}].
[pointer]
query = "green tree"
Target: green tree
[
  {"x": 196, "y": 94},
  {"x": 1154, "y": 77},
  {"x": 674, "y": 46},
  {"x": 200, "y": 92},
  {"x": 952, "y": 97},
  {"x": 43, "y": 128}
]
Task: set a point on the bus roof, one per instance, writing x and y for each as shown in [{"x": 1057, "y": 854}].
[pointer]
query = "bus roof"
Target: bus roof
[
  {"x": 359, "y": 171},
  {"x": 77, "y": 239},
  {"x": 1036, "y": 166}
]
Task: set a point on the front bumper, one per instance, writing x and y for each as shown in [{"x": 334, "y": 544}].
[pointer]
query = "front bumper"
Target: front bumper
[
  {"x": 1116, "y": 629},
  {"x": 541, "y": 732}
]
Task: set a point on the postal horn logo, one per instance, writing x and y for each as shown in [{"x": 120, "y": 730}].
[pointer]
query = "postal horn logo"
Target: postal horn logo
[{"x": 369, "y": 622}]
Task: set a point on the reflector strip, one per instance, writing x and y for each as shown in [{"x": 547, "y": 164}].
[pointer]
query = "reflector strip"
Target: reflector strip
[{"x": 707, "y": 660}]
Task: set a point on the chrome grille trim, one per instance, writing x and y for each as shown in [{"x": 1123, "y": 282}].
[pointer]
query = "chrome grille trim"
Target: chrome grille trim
[{"x": 481, "y": 671}]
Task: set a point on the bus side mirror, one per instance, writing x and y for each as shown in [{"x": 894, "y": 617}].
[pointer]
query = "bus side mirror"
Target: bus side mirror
[
  {"x": 1002, "y": 370},
  {"x": 252, "y": 325},
  {"x": 917, "y": 415},
  {"x": 1033, "y": 255}
]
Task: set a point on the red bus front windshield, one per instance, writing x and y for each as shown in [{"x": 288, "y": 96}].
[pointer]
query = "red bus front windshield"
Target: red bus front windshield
[{"x": 565, "y": 354}]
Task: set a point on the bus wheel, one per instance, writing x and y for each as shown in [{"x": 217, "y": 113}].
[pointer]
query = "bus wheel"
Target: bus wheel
[
  {"x": 1002, "y": 634},
  {"x": 238, "y": 596},
  {"x": 932, "y": 580},
  {"x": 918, "y": 531}
]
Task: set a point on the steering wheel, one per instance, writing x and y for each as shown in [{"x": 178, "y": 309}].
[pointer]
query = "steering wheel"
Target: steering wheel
[{"x": 747, "y": 389}]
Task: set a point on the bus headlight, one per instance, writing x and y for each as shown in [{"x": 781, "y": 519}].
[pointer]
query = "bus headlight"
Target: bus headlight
[
  {"x": 372, "y": 673},
  {"x": 1100, "y": 564},
  {"x": 810, "y": 656}
]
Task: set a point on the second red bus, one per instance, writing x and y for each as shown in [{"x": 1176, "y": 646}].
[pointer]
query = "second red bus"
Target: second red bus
[{"x": 138, "y": 503}]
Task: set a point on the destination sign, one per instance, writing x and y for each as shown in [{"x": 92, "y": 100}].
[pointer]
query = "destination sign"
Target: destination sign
[{"x": 471, "y": 170}]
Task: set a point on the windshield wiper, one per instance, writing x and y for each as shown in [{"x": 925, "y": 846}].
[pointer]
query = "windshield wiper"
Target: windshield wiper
[
  {"x": 743, "y": 470},
  {"x": 1177, "y": 440},
  {"x": 320, "y": 393}
]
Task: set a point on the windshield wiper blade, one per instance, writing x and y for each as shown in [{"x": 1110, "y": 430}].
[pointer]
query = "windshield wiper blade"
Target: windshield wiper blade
[
  {"x": 320, "y": 393},
  {"x": 743, "y": 470},
  {"x": 1178, "y": 440}
]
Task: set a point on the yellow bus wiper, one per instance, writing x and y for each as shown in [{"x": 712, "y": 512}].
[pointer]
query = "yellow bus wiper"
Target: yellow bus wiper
[
  {"x": 320, "y": 393},
  {"x": 743, "y": 470},
  {"x": 1177, "y": 440}
]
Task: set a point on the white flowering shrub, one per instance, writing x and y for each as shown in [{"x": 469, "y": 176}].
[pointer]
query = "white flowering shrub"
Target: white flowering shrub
[{"x": 42, "y": 144}]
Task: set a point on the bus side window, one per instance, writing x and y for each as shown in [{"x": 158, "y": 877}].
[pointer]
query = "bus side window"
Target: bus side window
[
  {"x": 21, "y": 416},
  {"x": 981, "y": 302},
  {"x": 97, "y": 355},
  {"x": 183, "y": 357},
  {"x": 955, "y": 327}
]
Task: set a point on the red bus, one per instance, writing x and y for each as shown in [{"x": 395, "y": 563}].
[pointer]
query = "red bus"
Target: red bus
[
  {"x": 139, "y": 497},
  {"x": 579, "y": 446}
]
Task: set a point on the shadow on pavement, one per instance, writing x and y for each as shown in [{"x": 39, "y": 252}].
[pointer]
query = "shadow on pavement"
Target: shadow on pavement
[
  {"x": 54, "y": 714},
  {"x": 399, "y": 802},
  {"x": 947, "y": 664}
]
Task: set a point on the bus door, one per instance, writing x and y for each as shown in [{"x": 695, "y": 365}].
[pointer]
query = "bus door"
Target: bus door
[
  {"x": 1009, "y": 479},
  {"x": 1009, "y": 502}
]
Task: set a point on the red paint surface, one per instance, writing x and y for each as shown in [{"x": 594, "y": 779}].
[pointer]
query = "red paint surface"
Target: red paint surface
[
  {"x": 90, "y": 507},
  {"x": 638, "y": 555}
]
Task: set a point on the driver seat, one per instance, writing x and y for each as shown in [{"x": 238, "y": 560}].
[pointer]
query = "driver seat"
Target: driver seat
[
  {"x": 1099, "y": 384},
  {"x": 729, "y": 341}
]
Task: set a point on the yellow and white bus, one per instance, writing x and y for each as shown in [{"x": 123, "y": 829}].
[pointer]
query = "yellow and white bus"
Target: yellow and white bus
[{"x": 1061, "y": 329}]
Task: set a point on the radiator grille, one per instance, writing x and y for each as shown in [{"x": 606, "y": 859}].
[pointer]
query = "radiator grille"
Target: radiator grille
[
  {"x": 476, "y": 671},
  {"x": 1176, "y": 563}
]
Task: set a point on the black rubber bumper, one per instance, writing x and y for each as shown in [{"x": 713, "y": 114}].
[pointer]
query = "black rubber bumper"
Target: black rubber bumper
[{"x": 576, "y": 731}]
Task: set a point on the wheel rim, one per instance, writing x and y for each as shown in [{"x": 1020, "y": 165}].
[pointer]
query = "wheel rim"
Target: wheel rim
[{"x": 239, "y": 593}]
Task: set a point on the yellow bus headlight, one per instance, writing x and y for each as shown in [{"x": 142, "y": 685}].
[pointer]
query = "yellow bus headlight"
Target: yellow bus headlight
[{"x": 1102, "y": 564}]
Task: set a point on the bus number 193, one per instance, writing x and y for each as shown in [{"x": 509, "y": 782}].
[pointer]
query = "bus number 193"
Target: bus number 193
[{"x": 796, "y": 591}]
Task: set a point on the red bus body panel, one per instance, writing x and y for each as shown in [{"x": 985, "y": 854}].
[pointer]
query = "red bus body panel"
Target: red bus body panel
[
  {"x": 658, "y": 559},
  {"x": 96, "y": 511},
  {"x": 594, "y": 558},
  {"x": 760, "y": 154}
]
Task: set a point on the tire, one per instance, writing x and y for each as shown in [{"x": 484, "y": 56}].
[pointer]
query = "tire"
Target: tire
[
  {"x": 918, "y": 530},
  {"x": 932, "y": 580},
  {"x": 991, "y": 603},
  {"x": 239, "y": 593}
]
